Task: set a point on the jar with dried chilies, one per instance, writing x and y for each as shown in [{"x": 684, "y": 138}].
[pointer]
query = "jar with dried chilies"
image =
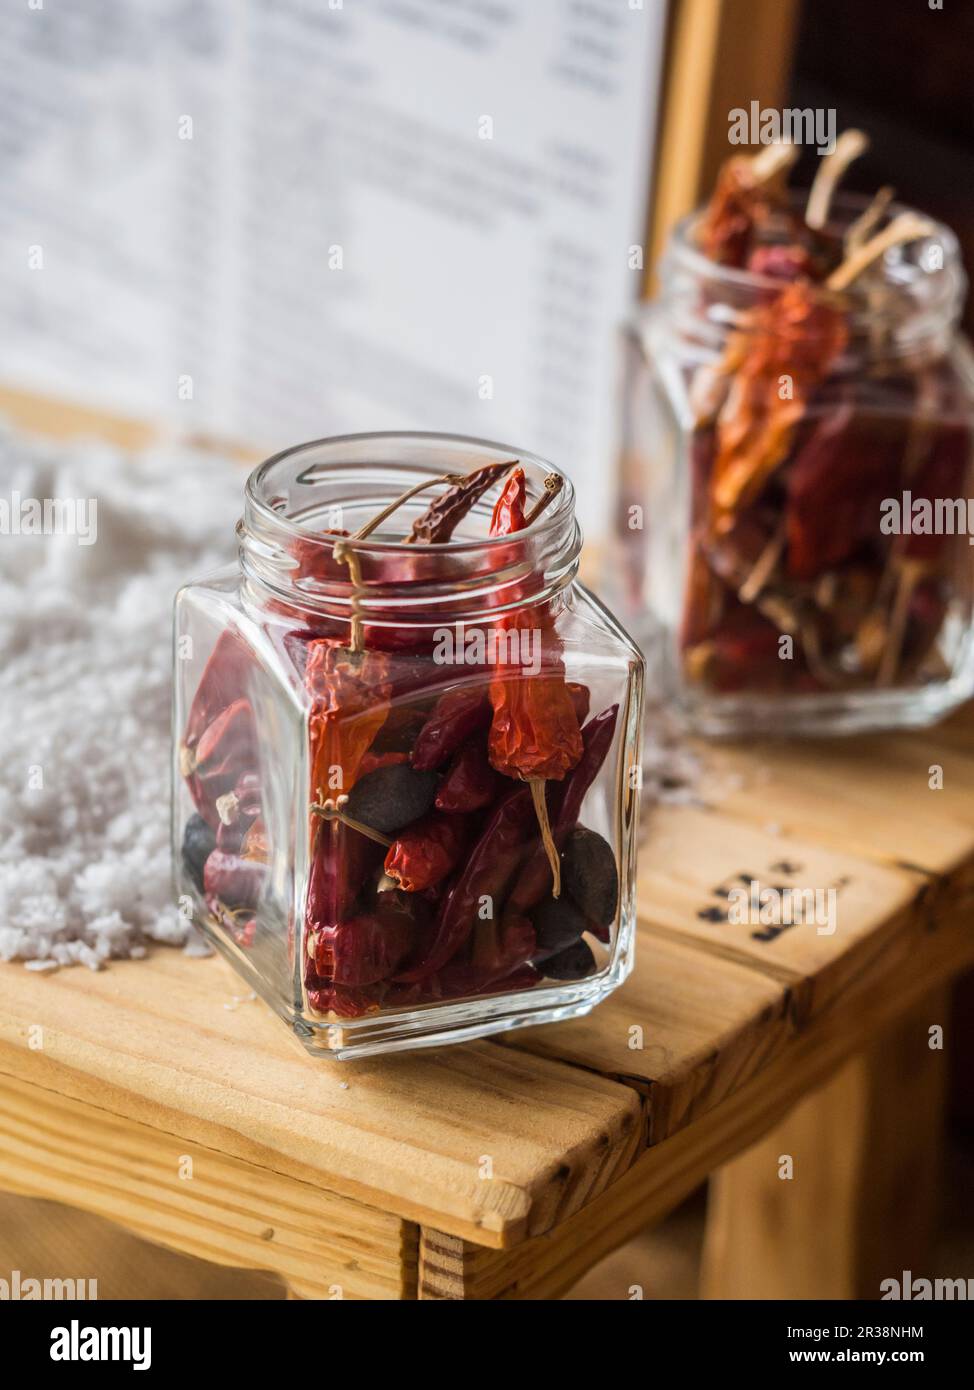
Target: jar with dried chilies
[
  {"x": 797, "y": 506},
  {"x": 407, "y": 747}
]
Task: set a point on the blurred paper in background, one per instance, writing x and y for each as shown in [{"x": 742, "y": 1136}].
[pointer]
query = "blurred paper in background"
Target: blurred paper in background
[{"x": 271, "y": 222}]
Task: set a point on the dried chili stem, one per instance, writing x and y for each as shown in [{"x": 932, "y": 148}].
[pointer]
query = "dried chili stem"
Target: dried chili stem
[
  {"x": 862, "y": 228},
  {"x": 763, "y": 567},
  {"x": 348, "y": 557},
  {"x": 537, "y": 785},
  {"x": 772, "y": 160},
  {"x": 334, "y": 810},
  {"x": 344, "y": 556},
  {"x": 849, "y": 146},
  {"x": 911, "y": 573},
  {"x": 552, "y": 487},
  {"x": 909, "y": 226}
]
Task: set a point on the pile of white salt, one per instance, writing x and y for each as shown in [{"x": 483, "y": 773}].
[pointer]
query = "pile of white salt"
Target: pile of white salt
[{"x": 85, "y": 688}]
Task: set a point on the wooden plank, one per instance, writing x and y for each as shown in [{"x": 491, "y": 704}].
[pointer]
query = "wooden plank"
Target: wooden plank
[
  {"x": 686, "y": 1029},
  {"x": 669, "y": 1171},
  {"x": 200, "y": 1202},
  {"x": 867, "y": 796},
  {"x": 858, "y": 1203},
  {"x": 693, "y": 860},
  {"x": 721, "y": 54},
  {"x": 34, "y": 414},
  {"x": 413, "y": 1134}
]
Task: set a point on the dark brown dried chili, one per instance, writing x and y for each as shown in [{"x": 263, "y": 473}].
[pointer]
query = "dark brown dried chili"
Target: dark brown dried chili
[{"x": 444, "y": 514}]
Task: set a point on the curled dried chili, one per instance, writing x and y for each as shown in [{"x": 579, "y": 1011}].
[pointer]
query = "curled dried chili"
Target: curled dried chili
[{"x": 444, "y": 514}]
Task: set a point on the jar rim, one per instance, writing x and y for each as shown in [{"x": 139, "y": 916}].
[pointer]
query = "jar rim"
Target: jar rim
[
  {"x": 315, "y": 563},
  {"x": 558, "y": 512}
]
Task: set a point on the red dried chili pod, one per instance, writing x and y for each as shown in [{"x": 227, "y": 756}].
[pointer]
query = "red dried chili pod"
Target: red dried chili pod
[
  {"x": 235, "y": 881},
  {"x": 535, "y": 878},
  {"x": 342, "y": 1001},
  {"x": 835, "y": 486},
  {"x": 480, "y": 887},
  {"x": 342, "y": 861},
  {"x": 424, "y": 853},
  {"x": 457, "y": 714},
  {"x": 508, "y": 513},
  {"x": 445, "y": 513},
  {"x": 226, "y": 750},
  {"x": 223, "y": 681},
  {"x": 369, "y": 947},
  {"x": 581, "y": 698},
  {"x": 470, "y": 782},
  {"x": 534, "y": 733},
  {"x": 941, "y": 475}
]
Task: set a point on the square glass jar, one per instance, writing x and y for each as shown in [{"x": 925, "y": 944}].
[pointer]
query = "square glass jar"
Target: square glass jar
[
  {"x": 806, "y": 595},
  {"x": 406, "y": 773}
]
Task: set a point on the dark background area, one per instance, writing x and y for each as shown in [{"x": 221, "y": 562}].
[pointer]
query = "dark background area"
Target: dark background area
[{"x": 904, "y": 73}]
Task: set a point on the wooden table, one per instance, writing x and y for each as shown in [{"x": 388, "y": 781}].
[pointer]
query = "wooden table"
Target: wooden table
[{"x": 153, "y": 1094}]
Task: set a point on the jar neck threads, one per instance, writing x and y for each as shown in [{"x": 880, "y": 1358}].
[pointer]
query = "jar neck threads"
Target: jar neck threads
[{"x": 300, "y": 545}]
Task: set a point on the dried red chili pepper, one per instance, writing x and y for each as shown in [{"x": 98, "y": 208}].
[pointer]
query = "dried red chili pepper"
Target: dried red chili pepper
[
  {"x": 341, "y": 862},
  {"x": 534, "y": 734},
  {"x": 794, "y": 338},
  {"x": 368, "y": 948},
  {"x": 227, "y": 748},
  {"x": 782, "y": 261},
  {"x": 495, "y": 957},
  {"x": 457, "y": 714},
  {"x": 459, "y": 981},
  {"x": 942, "y": 474},
  {"x": 424, "y": 853},
  {"x": 223, "y": 681},
  {"x": 534, "y": 879},
  {"x": 235, "y": 881},
  {"x": 834, "y": 489},
  {"x": 470, "y": 783},
  {"x": 349, "y": 702},
  {"x": 749, "y": 191},
  {"x": 480, "y": 887},
  {"x": 508, "y": 513},
  {"x": 445, "y": 513},
  {"x": 349, "y": 693},
  {"x": 581, "y": 698}
]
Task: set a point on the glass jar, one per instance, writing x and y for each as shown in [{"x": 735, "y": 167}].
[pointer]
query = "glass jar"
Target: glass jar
[
  {"x": 795, "y": 473},
  {"x": 346, "y": 829}
]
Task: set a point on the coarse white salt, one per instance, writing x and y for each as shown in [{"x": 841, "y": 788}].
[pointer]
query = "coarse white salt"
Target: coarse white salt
[{"x": 85, "y": 688}]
